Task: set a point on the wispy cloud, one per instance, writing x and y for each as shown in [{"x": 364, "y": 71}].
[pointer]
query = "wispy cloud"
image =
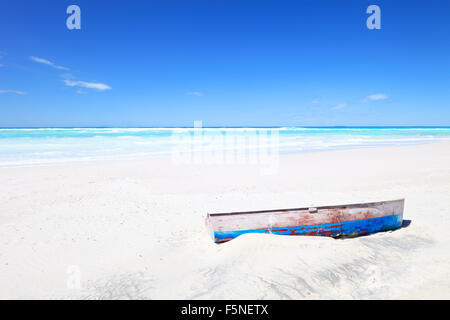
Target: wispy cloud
[
  {"x": 67, "y": 76},
  {"x": 89, "y": 85},
  {"x": 11, "y": 91},
  {"x": 315, "y": 101},
  {"x": 49, "y": 63},
  {"x": 339, "y": 106},
  {"x": 195, "y": 93},
  {"x": 1, "y": 65},
  {"x": 374, "y": 97}
]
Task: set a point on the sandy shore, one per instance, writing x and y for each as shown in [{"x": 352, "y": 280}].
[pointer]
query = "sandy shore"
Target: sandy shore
[{"x": 135, "y": 229}]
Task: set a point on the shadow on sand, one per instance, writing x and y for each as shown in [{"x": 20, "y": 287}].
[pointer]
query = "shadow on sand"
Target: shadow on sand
[{"x": 405, "y": 224}]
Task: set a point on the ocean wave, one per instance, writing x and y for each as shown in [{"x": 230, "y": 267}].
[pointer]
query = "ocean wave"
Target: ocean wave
[
  {"x": 112, "y": 129},
  {"x": 54, "y": 145}
]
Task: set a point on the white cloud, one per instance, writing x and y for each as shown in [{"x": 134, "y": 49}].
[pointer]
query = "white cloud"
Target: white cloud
[
  {"x": 89, "y": 85},
  {"x": 2, "y": 65},
  {"x": 12, "y": 91},
  {"x": 339, "y": 106},
  {"x": 49, "y": 63},
  {"x": 195, "y": 93},
  {"x": 315, "y": 101},
  {"x": 374, "y": 97},
  {"x": 66, "y": 76}
]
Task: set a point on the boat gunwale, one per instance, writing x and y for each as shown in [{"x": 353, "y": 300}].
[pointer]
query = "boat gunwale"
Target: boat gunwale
[{"x": 345, "y": 206}]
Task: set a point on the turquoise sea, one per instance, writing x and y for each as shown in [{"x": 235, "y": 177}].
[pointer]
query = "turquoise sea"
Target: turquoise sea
[{"x": 32, "y": 146}]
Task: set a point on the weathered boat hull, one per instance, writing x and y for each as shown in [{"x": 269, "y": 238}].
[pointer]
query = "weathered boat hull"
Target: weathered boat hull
[{"x": 333, "y": 221}]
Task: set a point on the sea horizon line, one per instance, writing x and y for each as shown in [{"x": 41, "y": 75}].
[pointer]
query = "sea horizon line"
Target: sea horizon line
[{"x": 231, "y": 127}]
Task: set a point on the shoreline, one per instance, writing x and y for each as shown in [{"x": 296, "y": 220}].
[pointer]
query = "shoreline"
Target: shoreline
[
  {"x": 126, "y": 158},
  {"x": 135, "y": 228},
  {"x": 38, "y": 147}
]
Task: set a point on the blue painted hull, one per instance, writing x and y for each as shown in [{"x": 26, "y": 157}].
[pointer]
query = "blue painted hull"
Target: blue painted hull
[{"x": 346, "y": 228}]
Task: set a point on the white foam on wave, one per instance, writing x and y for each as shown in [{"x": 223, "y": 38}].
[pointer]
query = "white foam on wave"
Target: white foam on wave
[
  {"x": 101, "y": 143},
  {"x": 143, "y": 129}
]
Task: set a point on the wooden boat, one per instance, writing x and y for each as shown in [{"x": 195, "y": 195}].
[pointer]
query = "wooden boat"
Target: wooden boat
[{"x": 331, "y": 221}]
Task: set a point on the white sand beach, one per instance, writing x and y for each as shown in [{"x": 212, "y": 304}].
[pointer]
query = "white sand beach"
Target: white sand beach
[{"x": 131, "y": 229}]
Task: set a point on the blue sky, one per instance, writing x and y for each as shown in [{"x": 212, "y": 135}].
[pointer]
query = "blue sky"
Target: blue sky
[{"x": 225, "y": 62}]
